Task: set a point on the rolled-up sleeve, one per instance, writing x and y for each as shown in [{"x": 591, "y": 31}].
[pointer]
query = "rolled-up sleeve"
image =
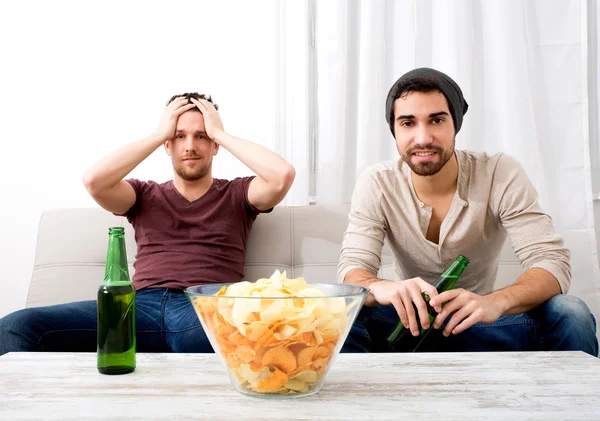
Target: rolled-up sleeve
[
  {"x": 531, "y": 231},
  {"x": 364, "y": 237}
]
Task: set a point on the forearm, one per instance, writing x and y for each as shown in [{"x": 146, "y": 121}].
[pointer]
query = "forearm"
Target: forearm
[
  {"x": 113, "y": 168},
  {"x": 269, "y": 166},
  {"x": 363, "y": 278},
  {"x": 532, "y": 288}
]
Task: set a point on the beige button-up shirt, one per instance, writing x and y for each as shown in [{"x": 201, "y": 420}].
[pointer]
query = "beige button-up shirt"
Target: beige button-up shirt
[{"x": 493, "y": 198}]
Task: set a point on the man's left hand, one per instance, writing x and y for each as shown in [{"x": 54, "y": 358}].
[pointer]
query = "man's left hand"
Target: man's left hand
[
  {"x": 212, "y": 120},
  {"x": 466, "y": 308}
]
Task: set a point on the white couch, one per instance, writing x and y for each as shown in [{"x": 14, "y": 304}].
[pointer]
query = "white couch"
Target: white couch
[{"x": 305, "y": 241}]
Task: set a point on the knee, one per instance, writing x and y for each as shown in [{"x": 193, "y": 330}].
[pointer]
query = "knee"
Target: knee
[
  {"x": 571, "y": 319},
  {"x": 370, "y": 329},
  {"x": 14, "y": 332},
  {"x": 13, "y": 322},
  {"x": 358, "y": 339},
  {"x": 570, "y": 310},
  {"x": 191, "y": 340}
]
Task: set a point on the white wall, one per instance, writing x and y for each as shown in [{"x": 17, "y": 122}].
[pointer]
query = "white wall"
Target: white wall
[{"x": 79, "y": 79}]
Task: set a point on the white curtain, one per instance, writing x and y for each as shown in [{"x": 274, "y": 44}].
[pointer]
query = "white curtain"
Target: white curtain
[
  {"x": 294, "y": 90},
  {"x": 593, "y": 17},
  {"x": 522, "y": 66}
]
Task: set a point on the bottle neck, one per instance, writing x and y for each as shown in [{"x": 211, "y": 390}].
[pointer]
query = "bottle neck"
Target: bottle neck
[
  {"x": 448, "y": 279},
  {"x": 117, "y": 270}
]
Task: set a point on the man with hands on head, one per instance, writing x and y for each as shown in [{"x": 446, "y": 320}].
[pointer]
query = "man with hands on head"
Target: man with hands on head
[
  {"x": 191, "y": 230},
  {"x": 436, "y": 203}
]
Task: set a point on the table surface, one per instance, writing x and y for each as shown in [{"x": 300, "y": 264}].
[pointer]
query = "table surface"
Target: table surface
[{"x": 442, "y": 386}]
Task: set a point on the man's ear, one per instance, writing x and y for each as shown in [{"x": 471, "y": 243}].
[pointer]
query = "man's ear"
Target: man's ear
[
  {"x": 216, "y": 148},
  {"x": 167, "y": 147}
]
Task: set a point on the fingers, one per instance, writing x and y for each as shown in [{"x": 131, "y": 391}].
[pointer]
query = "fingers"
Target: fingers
[
  {"x": 200, "y": 104},
  {"x": 444, "y": 297},
  {"x": 407, "y": 298},
  {"x": 466, "y": 323},
  {"x": 453, "y": 302},
  {"x": 449, "y": 308},
  {"x": 458, "y": 317},
  {"x": 177, "y": 102},
  {"x": 427, "y": 288},
  {"x": 183, "y": 109},
  {"x": 179, "y": 106},
  {"x": 168, "y": 121},
  {"x": 204, "y": 105},
  {"x": 410, "y": 311},
  {"x": 197, "y": 103},
  {"x": 414, "y": 305},
  {"x": 417, "y": 287},
  {"x": 397, "y": 303},
  {"x": 417, "y": 298},
  {"x": 430, "y": 290}
]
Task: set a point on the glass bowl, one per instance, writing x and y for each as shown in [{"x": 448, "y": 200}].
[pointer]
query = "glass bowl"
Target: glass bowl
[{"x": 278, "y": 346}]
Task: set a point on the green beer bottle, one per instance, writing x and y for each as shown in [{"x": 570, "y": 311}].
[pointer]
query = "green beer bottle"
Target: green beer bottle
[
  {"x": 116, "y": 310},
  {"x": 444, "y": 282}
]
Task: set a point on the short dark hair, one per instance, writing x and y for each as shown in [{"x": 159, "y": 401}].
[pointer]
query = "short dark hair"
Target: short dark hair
[
  {"x": 194, "y": 95},
  {"x": 416, "y": 85}
]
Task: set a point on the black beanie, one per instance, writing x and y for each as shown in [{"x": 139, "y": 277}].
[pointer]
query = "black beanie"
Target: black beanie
[{"x": 456, "y": 102}]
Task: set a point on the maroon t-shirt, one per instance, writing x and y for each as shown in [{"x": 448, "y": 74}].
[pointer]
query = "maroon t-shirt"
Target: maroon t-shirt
[{"x": 182, "y": 243}]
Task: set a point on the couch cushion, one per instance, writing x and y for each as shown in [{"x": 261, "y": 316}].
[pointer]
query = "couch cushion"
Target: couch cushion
[
  {"x": 304, "y": 241},
  {"x": 70, "y": 254}
]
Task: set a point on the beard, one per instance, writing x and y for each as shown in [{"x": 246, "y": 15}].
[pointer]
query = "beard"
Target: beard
[
  {"x": 194, "y": 173},
  {"x": 427, "y": 168}
]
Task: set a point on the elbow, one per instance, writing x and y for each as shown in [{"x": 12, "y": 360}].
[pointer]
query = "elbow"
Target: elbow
[
  {"x": 90, "y": 182},
  {"x": 286, "y": 178}
]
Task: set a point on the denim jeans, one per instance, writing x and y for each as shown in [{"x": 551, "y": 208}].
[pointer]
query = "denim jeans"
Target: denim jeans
[
  {"x": 165, "y": 322},
  {"x": 564, "y": 322}
]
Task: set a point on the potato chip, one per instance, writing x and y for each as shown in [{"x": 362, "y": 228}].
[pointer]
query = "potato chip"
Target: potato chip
[
  {"x": 247, "y": 373},
  {"x": 322, "y": 352},
  {"x": 256, "y": 330},
  {"x": 284, "y": 332},
  {"x": 306, "y": 355},
  {"x": 281, "y": 358},
  {"x": 274, "y": 382},
  {"x": 245, "y": 354},
  {"x": 318, "y": 337},
  {"x": 307, "y": 376},
  {"x": 296, "y": 385}
]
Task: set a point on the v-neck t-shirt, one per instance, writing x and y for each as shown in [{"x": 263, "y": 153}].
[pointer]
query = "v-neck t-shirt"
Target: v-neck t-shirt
[{"x": 182, "y": 243}]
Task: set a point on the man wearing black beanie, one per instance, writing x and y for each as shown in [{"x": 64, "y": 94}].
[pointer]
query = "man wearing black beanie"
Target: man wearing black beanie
[{"x": 436, "y": 203}]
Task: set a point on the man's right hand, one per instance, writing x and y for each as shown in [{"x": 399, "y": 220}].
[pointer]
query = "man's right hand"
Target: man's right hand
[
  {"x": 402, "y": 295},
  {"x": 168, "y": 122},
  {"x": 105, "y": 180}
]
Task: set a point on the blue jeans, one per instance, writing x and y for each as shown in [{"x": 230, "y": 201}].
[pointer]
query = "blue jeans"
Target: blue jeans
[
  {"x": 165, "y": 322},
  {"x": 564, "y": 322}
]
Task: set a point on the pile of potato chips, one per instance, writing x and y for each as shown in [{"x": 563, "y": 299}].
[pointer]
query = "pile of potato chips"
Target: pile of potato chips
[{"x": 277, "y": 335}]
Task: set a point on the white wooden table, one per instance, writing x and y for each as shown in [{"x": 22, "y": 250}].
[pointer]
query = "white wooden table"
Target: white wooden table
[{"x": 482, "y": 386}]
